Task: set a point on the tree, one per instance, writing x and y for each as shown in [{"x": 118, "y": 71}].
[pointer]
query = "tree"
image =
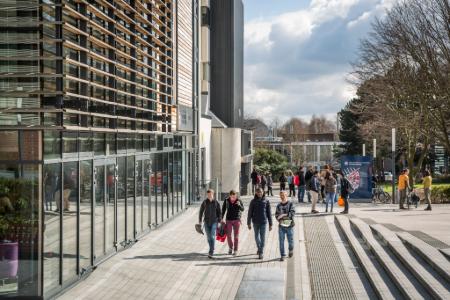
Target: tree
[
  {"x": 349, "y": 130},
  {"x": 266, "y": 161}
]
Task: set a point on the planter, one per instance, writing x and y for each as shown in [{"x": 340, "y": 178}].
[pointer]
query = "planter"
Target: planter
[{"x": 9, "y": 259}]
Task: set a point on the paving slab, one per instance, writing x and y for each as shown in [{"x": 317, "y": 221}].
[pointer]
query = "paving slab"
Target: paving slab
[{"x": 262, "y": 283}]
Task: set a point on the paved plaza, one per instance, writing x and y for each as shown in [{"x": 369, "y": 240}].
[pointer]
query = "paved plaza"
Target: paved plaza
[{"x": 336, "y": 257}]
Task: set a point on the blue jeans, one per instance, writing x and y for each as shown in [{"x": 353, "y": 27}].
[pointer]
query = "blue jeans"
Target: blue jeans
[
  {"x": 330, "y": 199},
  {"x": 289, "y": 232},
  {"x": 260, "y": 236},
  {"x": 301, "y": 193},
  {"x": 210, "y": 231}
]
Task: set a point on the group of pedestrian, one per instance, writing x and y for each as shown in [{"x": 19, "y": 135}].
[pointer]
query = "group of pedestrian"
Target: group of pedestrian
[
  {"x": 325, "y": 186},
  {"x": 263, "y": 181},
  {"x": 404, "y": 187},
  {"x": 259, "y": 219}
]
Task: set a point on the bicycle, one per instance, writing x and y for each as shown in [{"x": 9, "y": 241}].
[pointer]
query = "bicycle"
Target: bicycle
[
  {"x": 412, "y": 199},
  {"x": 380, "y": 196}
]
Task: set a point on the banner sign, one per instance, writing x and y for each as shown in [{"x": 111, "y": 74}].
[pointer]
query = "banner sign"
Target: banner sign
[{"x": 358, "y": 171}]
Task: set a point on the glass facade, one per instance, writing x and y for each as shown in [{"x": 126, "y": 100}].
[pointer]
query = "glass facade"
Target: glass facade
[{"x": 90, "y": 156}]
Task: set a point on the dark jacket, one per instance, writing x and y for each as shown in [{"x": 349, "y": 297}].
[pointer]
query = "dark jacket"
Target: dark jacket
[
  {"x": 259, "y": 211},
  {"x": 314, "y": 184},
  {"x": 308, "y": 176},
  {"x": 211, "y": 212},
  {"x": 254, "y": 177},
  {"x": 301, "y": 178},
  {"x": 285, "y": 208},
  {"x": 345, "y": 187},
  {"x": 233, "y": 211}
]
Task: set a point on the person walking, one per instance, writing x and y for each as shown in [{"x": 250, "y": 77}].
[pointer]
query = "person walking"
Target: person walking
[
  {"x": 283, "y": 181},
  {"x": 427, "y": 182},
  {"x": 301, "y": 185},
  {"x": 330, "y": 190},
  {"x": 345, "y": 192},
  {"x": 314, "y": 189},
  {"x": 291, "y": 184},
  {"x": 263, "y": 182},
  {"x": 232, "y": 209},
  {"x": 403, "y": 187},
  {"x": 308, "y": 176},
  {"x": 269, "y": 185},
  {"x": 259, "y": 214},
  {"x": 284, "y": 214},
  {"x": 254, "y": 177},
  {"x": 211, "y": 215},
  {"x": 338, "y": 177}
]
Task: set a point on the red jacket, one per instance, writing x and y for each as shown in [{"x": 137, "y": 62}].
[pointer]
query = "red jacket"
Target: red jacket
[{"x": 296, "y": 180}]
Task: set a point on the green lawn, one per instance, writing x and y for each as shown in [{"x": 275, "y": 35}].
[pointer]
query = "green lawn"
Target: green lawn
[{"x": 387, "y": 187}]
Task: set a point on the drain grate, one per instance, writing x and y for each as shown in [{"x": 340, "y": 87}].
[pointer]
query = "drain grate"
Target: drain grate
[{"x": 326, "y": 271}]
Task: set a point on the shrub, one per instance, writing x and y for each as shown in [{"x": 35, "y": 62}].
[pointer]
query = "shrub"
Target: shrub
[{"x": 440, "y": 194}]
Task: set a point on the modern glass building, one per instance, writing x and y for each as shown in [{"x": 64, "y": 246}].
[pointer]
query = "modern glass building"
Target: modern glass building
[{"x": 93, "y": 150}]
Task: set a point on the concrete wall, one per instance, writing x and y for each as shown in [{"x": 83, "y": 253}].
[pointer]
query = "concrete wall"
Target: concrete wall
[
  {"x": 226, "y": 158},
  {"x": 205, "y": 142}
]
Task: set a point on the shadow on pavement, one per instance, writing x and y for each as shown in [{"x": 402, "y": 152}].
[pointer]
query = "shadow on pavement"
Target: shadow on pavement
[
  {"x": 193, "y": 256},
  {"x": 233, "y": 263}
]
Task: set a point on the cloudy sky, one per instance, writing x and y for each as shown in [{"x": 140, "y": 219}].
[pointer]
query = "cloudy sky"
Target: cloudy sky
[{"x": 297, "y": 54}]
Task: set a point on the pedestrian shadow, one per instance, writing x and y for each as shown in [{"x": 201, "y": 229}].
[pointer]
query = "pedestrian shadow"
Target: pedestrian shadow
[
  {"x": 192, "y": 256},
  {"x": 234, "y": 263}
]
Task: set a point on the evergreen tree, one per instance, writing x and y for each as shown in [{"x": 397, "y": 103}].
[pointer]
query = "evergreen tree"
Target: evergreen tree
[{"x": 349, "y": 131}]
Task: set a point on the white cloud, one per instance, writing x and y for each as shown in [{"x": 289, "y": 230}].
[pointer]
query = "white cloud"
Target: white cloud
[{"x": 296, "y": 63}]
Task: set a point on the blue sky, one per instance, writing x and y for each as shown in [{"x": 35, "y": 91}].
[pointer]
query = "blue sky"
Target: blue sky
[{"x": 298, "y": 54}]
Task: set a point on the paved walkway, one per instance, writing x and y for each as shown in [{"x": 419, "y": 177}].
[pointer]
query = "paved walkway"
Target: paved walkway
[{"x": 171, "y": 262}]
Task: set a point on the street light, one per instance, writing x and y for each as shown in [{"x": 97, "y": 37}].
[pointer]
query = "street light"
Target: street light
[
  {"x": 374, "y": 156},
  {"x": 364, "y": 150},
  {"x": 393, "y": 165}
]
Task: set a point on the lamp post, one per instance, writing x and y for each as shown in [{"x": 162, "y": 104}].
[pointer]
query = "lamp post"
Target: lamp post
[
  {"x": 374, "y": 155},
  {"x": 393, "y": 165},
  {"x": 364, "y": 150}
]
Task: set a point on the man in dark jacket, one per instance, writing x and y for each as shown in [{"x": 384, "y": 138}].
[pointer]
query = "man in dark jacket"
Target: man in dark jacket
[
  {"x": 301, "y": 185},
  {"x": 308, "y": 176},
  {"x": 314, "y": 189},
  {"x": 232, "y": 209},
  {"x": 345, "y": 192},
  {"x": 211, "y": 214},
  {"x": 254, "y": 177},
  {"x": 259, "y": 214}
]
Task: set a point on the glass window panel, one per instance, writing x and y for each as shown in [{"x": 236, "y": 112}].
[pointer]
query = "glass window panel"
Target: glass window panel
[
  {"x": 70, "y": 142},
  {"x": 52, "y": 251},
  {"x": 110, "y": 143},
  {"x": 70, "y": 208},
  {"x": 99, "y": 143},
  {"x": 165, "y": 191},
  {"x": 52, "y": 144},
  {"x": 121, "y": 199},
  {"x": 85, "y": 142},
  {"x": 85, "y": 213},
  {"x": 99, "y": 211},
  {"x": 139, "y": 204},
  {"x": 153, "y": 190},
  {"x": 170, "y": 183},
  {"x": 147, "y": 209},
  {"x": 130, "y": 197},
  {"x": 110, "y": 206}
]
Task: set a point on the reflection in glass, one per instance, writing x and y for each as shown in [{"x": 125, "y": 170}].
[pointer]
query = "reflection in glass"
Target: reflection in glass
[
  {"x": 165, "y": 191},
  {"x": 110, "y": 202},
  {"x": 121, "y": 200},
  {"x": 170, "y": 167},
  {"x": 130, "y": 198},
  {"x": 139, "y": 204},
  {"x": 154, "y": 190},
  {"x": 52, "y": 144},
  {"x": 99, "y": 211},
  {"x": 69, "y": 238},
  {"x": 147, "y": 208},
  {"x": 52, "y": 196},
  {"x": 85, "y": 213}
]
